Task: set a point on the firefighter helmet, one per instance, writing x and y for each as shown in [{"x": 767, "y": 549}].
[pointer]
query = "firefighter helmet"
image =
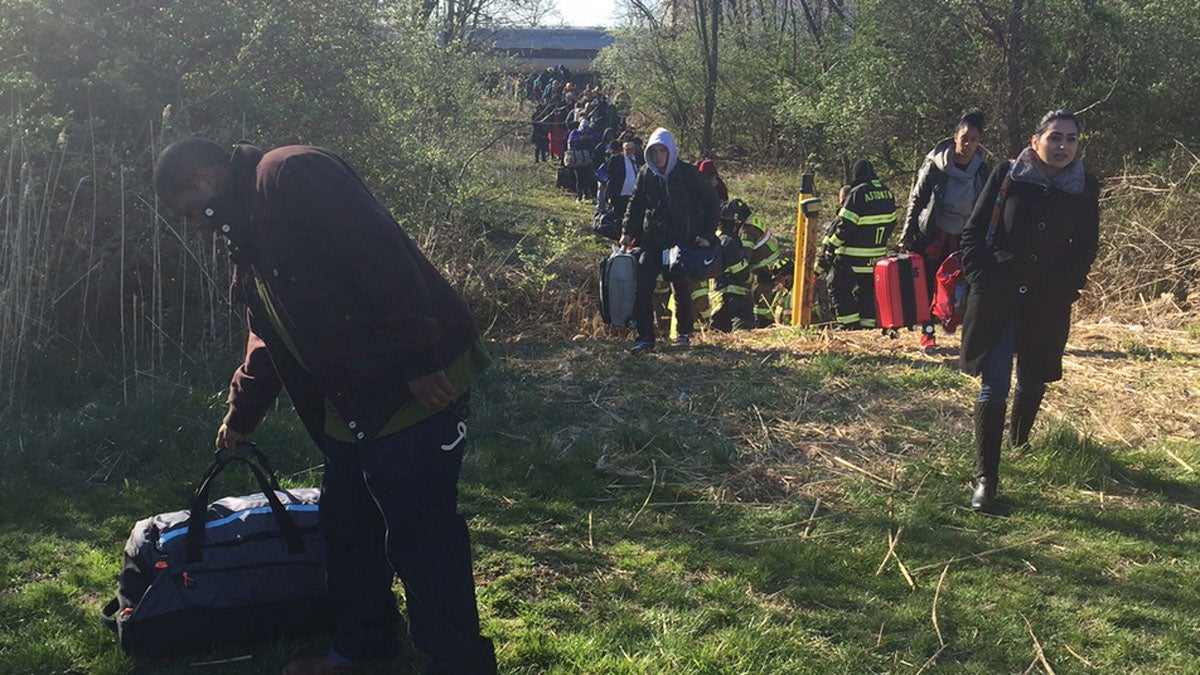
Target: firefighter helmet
[{"x": 736, "y": 210}]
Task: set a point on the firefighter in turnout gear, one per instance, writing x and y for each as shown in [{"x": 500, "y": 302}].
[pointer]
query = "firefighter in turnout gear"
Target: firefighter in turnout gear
[
  {"x": 762, "y": 251},
  {"x": 780, "y": 306},
  {"x": 729, "y": 298},
  {"x": 822, "y": 311},
  {"x": 664, "y": 299},
  {"x": 860, "y": 238}
]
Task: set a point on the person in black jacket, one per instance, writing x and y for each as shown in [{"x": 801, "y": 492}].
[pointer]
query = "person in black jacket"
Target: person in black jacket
[
  {"x": 621, "y": 171},
  {"x": 540, "y": 131},
  {"x": 1024, "y": 276},
  {"x": 947, "y": 185},
  {"x": 378, "y": 353},
  {"x": 672, "y": 205}
]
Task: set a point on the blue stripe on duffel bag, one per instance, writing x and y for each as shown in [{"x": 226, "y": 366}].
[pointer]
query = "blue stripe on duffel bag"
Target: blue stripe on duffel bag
[{"x": 168, "y": 536}]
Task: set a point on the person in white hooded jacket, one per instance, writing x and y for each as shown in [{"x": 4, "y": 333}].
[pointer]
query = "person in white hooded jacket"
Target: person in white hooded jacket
[
  {"x": 949, "y": 181},
  {"x": 672, "y": 205}
]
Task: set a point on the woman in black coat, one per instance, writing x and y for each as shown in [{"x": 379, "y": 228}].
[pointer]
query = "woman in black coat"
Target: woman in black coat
[{"x": 1023, "y": 279}]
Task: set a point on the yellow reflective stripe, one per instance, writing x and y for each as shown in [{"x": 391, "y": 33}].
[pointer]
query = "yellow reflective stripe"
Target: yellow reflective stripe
[
  {"x": 869, "y": 323},
  {"x": 834, "y": 240},
  {"x": 771, "y": 258},
  {"x": 848, "y": 318},
  {"x": 737, "y": 267},
  {"x": 881, "y": 219},
  {"x": 701, "y": 292},
  {"x": 862, "y": 270},
  {"x": 860, "y": 252},
  {"x": 847, "y": 214},
  {"x": 732, "y": 290}
]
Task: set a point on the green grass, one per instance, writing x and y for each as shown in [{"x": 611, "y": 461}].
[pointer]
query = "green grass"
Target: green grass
[
  {"x": 603, "y": 543},
  {"x": 685, "y": 512},
  {"x": 700, "y": 586}
]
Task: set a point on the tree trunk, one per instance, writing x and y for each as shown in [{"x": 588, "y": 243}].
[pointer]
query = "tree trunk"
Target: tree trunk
[
  {"x": 708, "y": 25},
  {"x": 1016, "y": 77}
]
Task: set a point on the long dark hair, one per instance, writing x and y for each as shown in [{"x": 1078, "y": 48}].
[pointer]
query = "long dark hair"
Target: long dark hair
[{"x": 1054, "y": 116}]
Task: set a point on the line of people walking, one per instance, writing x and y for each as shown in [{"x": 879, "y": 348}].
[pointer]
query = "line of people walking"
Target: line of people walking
[
  {"x": 1023, "y": 235},
  {"x": 657, "y": 203}
]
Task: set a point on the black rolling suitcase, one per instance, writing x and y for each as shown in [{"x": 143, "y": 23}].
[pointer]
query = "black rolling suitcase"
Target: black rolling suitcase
[{"x": 237, "y": 571}]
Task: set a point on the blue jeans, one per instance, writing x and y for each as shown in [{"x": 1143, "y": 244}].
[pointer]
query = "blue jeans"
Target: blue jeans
[
  {"x": 998, "y": 367},
  {"x": 390, "y": 506}
]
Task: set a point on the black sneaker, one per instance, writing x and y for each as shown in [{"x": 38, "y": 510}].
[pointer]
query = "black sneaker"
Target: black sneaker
[
  {"x": 683, "y": 340},
  {"x": 642, "y": 347}
]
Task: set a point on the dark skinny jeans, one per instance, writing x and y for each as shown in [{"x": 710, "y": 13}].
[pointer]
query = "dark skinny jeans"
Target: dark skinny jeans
[{"x": 997, "y": 371}]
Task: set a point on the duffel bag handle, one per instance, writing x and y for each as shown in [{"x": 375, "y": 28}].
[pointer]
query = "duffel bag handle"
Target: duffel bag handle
[
  {"x": 246, "y": 449},
  {"x": 199, "y": 507}
]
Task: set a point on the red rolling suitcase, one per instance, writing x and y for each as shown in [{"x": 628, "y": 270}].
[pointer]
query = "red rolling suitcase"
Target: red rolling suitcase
[{"x": 901, "y": 292}]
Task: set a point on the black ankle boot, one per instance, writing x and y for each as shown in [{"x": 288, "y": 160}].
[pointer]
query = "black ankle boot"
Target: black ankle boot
[
  {"x": 985, "y": 493},
  {"x": 1024, "y": 409},
  {"x": 989, "y": 432}
]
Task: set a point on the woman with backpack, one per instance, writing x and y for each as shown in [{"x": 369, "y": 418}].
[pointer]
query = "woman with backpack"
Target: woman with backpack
[
  {"x": 947, "y": 185},
  {"x": 1027, "y": 250},
  {"x": 580, "y": 145}
]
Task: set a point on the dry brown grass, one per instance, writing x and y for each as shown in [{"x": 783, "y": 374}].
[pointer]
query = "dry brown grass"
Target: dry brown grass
[
  {"x": 1130, "y": 386},
  {"x": 1149, "y": 239}
]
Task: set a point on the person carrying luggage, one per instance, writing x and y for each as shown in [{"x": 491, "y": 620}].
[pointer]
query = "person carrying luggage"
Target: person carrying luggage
[
  {"x": 942, "y": 198},
  {"x": 672, "y": 205},
  {"x": 581, "y": 143},
  {"x": 1027, "y": 250},
  {"x": 378, "y": 354},
  {"x": 858, "y": 240}
]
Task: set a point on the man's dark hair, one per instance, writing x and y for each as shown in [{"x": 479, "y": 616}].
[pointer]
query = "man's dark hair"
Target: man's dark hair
[
  {"x": 178, "y": 163},
  {"x": 972, "y": 119},
  {"x": 1054, "y": 116}
]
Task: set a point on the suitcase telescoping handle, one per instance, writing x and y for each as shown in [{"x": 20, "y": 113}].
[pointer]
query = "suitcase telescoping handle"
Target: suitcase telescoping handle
[{"x": 199, "y": 507}]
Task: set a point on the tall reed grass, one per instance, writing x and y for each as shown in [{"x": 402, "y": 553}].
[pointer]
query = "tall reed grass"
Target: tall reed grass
[{"x": 106, "y": 292}]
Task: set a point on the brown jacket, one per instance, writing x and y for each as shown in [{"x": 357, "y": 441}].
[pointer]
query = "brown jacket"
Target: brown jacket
[{"x": 363, "y": 308}]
